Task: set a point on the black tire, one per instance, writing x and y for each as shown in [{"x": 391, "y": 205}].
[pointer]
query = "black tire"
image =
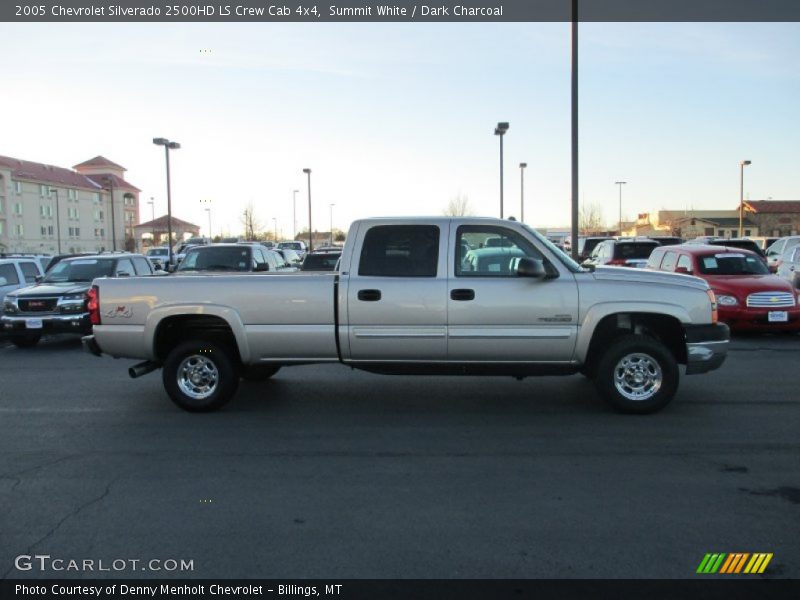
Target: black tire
[
  {"x": 200, "y": 376},
  {"x": 259, "y": 372},
  {"x": 28, "y": 340},
  {"x": 637, "y": 374}
]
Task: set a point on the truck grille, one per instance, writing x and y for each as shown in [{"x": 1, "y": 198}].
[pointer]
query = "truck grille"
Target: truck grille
[
  {"x": 770, "y": 300},
  {"x": 38, "y": 304}
]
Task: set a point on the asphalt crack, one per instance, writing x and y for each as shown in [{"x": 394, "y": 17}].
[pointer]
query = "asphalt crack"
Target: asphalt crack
[
  {"x": 17, "y": 477},
  {"x": 76, "y": 511}
]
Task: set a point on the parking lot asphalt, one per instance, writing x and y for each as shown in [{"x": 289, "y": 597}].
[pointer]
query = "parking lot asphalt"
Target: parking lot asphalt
[{"x": 328, "y": 472}]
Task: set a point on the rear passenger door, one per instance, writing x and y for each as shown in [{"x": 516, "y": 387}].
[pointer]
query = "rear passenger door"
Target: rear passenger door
[{"x": 396, "y": 294}]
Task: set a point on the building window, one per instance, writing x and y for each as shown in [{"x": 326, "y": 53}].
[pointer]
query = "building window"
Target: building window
[
  {"x": 18, "y": 187},
  {"x": 2, "y": 227},
  {"x": 2, "y": 206},
  {"x": 46, "y": 210},
  {"x": 98, "y": 215},
  {"x": 44, "y": 230},
  {"x": 19, "y": 230},
  {"x": 72, "y": 213},
  {"x": 99, "y": 232},
  {"x": 18, "y": 208},
  {"x": 44, "y": 191},
  {"x": 74, "y": 232},
  {"x": 746, "y": 233},
  {"x": 72, "y": 194},
  {"x": 96, "y": 197}
]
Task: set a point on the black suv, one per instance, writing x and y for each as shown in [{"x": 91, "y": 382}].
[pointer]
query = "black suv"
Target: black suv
[{"x": 57, "y": 302}]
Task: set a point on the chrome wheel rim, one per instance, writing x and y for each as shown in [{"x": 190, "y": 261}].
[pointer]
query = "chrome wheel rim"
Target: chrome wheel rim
[
  {"x": 638, "y": 376},
  {"x": 198, "y": 377}
]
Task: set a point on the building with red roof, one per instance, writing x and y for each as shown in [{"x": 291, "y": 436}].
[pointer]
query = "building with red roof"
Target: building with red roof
[{"x": 47, "y": 209}]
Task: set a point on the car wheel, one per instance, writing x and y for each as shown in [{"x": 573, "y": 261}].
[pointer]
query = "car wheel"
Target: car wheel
[
  {"x": 200, "y": 376},
  {"x": 637, "y": 374},
  {"x": 26, "y": 341},
  {"x": 259, "y": 372}
]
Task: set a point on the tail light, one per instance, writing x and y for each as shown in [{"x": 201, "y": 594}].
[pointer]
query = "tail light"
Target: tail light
[
  {"x": 93, "y": 305},
  {"x": 618, "y": 262},
  {"x": 713, "y": 299}
]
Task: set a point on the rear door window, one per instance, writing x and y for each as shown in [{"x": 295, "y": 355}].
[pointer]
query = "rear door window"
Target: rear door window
[
  {"x": 400, "y": 251},
  {"x": 124, "y": 266},
  {"x": 29, "y": 271},
  {"x": 141, "y": 265},
  {"x": 668, "y": 264},
  {"x": 9, "y": 273},
  {"x": 685, "y": 262}
]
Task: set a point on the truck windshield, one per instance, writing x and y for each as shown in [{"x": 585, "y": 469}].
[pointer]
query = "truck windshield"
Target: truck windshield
[
  {"x": 560, "y": 254},
  {"x": 84, "y": 269},
  {"x": 731, "y": 264}
]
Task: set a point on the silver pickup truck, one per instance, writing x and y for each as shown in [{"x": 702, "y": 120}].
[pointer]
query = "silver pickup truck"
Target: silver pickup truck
[{"x": 471, "y": 296}]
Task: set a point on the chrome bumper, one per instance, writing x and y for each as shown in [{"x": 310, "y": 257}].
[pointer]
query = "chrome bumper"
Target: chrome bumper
[{"x": 706, "y": 347}]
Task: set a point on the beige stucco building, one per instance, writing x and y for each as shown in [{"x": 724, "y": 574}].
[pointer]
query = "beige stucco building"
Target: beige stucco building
[{"x": 46, "y": 209}]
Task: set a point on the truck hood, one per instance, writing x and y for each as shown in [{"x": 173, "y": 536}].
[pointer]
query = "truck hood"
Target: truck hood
[
  {"x": 648, "y": 276},
  {"x": 52, "y": 289}
]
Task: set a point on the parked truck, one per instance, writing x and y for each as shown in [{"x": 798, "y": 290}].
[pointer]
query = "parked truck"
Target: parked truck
[{"x": 441, "y": 295}]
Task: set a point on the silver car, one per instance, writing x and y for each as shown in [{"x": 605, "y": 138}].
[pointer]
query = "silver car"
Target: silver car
[
  {"x": 789, "y": 265},
  {"x": 779, "y": 248}
]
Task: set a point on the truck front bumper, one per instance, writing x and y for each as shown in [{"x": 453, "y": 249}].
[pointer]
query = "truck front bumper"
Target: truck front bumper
[
  {"x": 50, "y": 323},
  {"x": 706, "y": 347}
]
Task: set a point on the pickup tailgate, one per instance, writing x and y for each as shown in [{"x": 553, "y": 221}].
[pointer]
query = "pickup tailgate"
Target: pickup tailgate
[{"x": 287, "y": 318}]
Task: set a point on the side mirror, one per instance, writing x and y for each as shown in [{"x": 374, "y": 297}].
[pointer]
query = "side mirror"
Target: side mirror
[
  {"x": 37, "y": 279},
  {"x": 683, "y": 270},
  {"x": 530, "y": 267}
]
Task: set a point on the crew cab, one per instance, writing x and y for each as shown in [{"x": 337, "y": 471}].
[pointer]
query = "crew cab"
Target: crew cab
[
  {"x": 57, "y": 302},
  {"x": 409, "y": 299}
]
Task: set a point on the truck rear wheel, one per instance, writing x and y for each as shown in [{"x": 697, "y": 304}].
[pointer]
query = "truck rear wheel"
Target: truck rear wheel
[
  {"x": 637, "y": 374},
  {"x": 200, "y": 376}
]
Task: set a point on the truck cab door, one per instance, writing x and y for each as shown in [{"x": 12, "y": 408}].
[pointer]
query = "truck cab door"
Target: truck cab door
[
  {"x": 396, "y": 293},
  {"x": 495, "y": 315}
]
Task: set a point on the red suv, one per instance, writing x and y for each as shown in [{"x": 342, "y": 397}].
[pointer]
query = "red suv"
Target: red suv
[{"x": 749, "y": 297}]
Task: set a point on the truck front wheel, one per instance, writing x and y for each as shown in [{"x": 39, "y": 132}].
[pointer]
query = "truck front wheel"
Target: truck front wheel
[
  {"x": 637, "y": 374},
  {"x": 200, "y": 376}
]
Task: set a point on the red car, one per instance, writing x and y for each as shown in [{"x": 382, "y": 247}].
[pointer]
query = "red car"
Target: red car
[{"x": 749, "y": 297}]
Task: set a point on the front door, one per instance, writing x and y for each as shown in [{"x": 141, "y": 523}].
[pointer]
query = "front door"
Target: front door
[{"x": 496, "y": 316}]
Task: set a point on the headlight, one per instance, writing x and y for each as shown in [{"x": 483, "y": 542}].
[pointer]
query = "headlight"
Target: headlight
[
  {"x": 727, "y": 300},
  {"x": 9, "y": 307}
]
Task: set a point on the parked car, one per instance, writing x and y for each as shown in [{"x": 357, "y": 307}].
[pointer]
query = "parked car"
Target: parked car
[
  {"x": 321, "y": 260},
  {"x": 296, "y": 245},
  {"x": 749, "y": 297},
  {"x": 16, "y": 273},
  {"x": 777, "y": 249},
  {"x": 764, "y": 242},
  {"x": 741, "y": 243},
  {"x": 290, "y": 257},
  {"x": 789, "y": 266},
  {"x": 586, "y": 246},
  {"x": 58, "y": 303},
  {"x": 159, "y": 256},
  {"x": 632, "y": 252},
  {"x": 667, "y": 240},
  {"x": 241, "y": 258}
]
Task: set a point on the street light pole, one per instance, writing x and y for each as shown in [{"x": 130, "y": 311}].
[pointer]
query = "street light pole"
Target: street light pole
[
  {"x": 110, "y": 181},
  {"x": 153, "y": 220},
  {"x": 310, "y": 240},
  {"x": 167, "y": 147},
  {"x": 275, "y": 226},
  {"x": 294, "y": 213},
  {"x": 58, "y": 220},
  {"x": 500, "y": 130},
  {"x": 331, "y": 207},
  {"x": 620, "y": 184},
  {"x": 208, "y": 210},
  {"x": 742, "y": 165},
  {"x": 522, "y": 192}
]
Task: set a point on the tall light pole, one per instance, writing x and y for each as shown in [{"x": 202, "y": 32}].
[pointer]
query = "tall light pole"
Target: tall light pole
[
  {"x": 110, "y": 182},
  {"x": 153, "y": 220},
  {"x": 167, "y": 147},
  {"x": 620, "y": 184},
  {"x": 275, "y": 227},
  {"x": 522, "y": 192},
  {"x": 58, "y": 219},
  {"x": 310, "y": 240},
  {"x": 574, "y": 127},
  {"x": 500, "y": 130},
  {"x": 331, "y": 207},
  {"x": 294, "y": 213},
  {"x": 742, "y": 165},
  {"x": 208, "y": 210}
]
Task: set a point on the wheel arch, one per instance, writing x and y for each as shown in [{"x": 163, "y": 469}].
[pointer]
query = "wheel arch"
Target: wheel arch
[{"x": 221, "y": 326}]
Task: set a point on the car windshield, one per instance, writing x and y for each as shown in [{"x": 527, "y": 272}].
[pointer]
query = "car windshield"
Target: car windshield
[
  {"x": 731, "y": 264},
  {"x": 157, "y": 252},
  {"x": 215, "y": 258},
  {"x": 83, "y": 269}
]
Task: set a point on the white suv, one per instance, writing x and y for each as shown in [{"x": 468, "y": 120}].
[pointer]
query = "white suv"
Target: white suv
[
  {"x": 17, "y": 273},
  {"x": 778, "y": 248}
]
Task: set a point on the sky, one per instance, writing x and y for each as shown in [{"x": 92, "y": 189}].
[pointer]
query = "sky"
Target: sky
[{"x": 398, "y": 119}]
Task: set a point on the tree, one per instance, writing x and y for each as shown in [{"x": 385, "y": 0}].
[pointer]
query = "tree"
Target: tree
[
  {"x": 590, "y": 219},
  {"x": 251, "y": 224},
  {"x": 458, "y": 206}
]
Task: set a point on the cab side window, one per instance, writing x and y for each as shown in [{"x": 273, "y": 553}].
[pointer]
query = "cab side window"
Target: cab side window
[
  {"x": 141, "y": 265},
  {"x": 124, "y": 266},
  {"x": 489, "y": 251},
  {"x": 685, "y": 262},
  {"x": 668, "y": 264},
  {"x": 29, "y": 271},
  {"x": 400, "y": 251},
  {"x": 9, "y": 273}
]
